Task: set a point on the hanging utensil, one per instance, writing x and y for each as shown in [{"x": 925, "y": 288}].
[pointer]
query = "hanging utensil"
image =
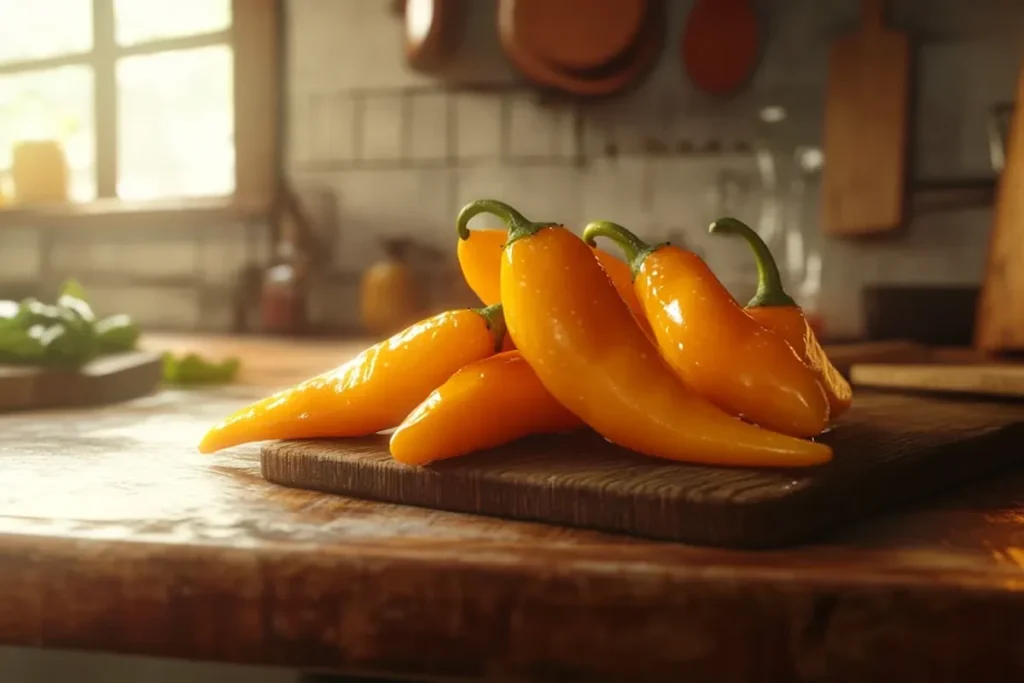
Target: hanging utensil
[
  {"x": 721, "y": 45},
  {"x": 432, "y": 32}
]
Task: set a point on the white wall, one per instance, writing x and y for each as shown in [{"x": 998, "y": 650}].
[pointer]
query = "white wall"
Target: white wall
[
  {"x": 433, "y": 150},
  {"x": 402, "y": 157}
]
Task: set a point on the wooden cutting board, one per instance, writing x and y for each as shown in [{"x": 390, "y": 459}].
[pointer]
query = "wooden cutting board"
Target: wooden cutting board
[
  {"x": 1004, "y": 380},
  {"x": 1000, "y": 322},
  {"x": 865, "y": 128},
  {"x": 889, "y": 449},
  {"x": 113, "y": 378}
]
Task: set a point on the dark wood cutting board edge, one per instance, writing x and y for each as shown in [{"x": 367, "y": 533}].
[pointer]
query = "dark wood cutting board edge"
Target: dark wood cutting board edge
[
  {"x": 604, "y": 488},
  {"x": 109, "y": 379}
]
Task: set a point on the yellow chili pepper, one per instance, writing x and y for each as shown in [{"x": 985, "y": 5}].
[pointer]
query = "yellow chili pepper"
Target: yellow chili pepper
[
  {"x": 486, "y": 404},
  {"x": 376, "y": 390},
  {"x": 775, "y": 309},
  {"x": 713, "y": 345},
  {"x": 586, "y": 348},
  {"x": 479, "y": 253}
]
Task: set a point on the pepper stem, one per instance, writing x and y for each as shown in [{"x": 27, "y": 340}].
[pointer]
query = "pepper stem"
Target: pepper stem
[
  {"x": 517, "y": 224},
  {"x": 494, "y": 316},
  {"x": 633, "y": 248},
  {"x": 770, "y": 291}
]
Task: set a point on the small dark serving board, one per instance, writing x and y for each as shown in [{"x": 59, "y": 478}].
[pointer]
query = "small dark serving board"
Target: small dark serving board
[
  {"x": 888, "y": 449},
  {"x": 108, "y": 379}
]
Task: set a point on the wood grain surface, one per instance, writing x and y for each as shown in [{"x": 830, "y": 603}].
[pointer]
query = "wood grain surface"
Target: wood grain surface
[
  {"x": 867, "y": 103},
  {"x": 888, "y": 449},
  {"x": 990, "y": 379},
  {"x": 115, "y": 535},
  {"x": 117, "y": 377}
]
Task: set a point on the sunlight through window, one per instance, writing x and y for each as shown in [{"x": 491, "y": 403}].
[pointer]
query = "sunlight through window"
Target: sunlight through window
[{"x": 172, "y": 95}]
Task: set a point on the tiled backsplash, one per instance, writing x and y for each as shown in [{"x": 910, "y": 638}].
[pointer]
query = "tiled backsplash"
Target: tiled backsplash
[
  {"x": 399, "y": 154},
  {"x": 402, "y": 155}
]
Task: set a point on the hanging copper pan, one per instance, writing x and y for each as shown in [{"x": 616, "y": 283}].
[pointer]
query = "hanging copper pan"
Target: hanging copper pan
[{"x": 582, "y": 47}]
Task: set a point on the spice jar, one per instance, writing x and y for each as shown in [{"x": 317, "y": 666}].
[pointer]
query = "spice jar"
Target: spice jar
[{"x": 284, "y": 293}]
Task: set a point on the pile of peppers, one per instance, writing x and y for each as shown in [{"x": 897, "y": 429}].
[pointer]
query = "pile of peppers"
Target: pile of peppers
[{"x": 650, "y": 351}]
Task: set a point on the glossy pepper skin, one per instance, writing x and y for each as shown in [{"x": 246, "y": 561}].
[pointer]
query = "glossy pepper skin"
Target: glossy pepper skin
[
  {"x": 479, "y": 254},
  {"x": 586, "y": 348},
  {"x": 775, "y": 309},
  {"x": 486, "y": 404},
  {"x": 375, "y": 390},
  {"x": 713, "y": 345}
]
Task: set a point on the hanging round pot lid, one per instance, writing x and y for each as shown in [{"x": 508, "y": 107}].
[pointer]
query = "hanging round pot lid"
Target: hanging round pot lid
[{"x": 581, "y": 47}]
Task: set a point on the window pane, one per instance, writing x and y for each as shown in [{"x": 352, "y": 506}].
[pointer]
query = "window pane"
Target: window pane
[
  {"x": 139, "y": 21},
  {"x": 33, "y": 29},
  {"x": 56, "y": 104},
  {"x": 176, "y": 124}
]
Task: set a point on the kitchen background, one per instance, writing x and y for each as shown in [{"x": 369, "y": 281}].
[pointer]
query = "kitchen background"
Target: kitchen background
[{"x": 376, "y": 149}]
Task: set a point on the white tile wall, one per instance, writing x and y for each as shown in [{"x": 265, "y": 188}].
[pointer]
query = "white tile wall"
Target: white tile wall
[
  {"x": 157, "y": 274},
  {"x": 141, "y": 255},
  {"x": 428, "y": 133},
  {"x": 965, "y": 63},
  {"x": 478, "y": 127},
  {"x": 382, "y": 128},
  {"x": 537, "y": 132},
  {"x": 20, "y": 255},
  {"x": 341, "y": 48}
]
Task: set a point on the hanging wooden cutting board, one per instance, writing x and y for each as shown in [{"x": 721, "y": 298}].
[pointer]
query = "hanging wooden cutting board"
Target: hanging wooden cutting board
[
  {"x": 888, "y": 450},
  {"x": 720, "y": 45},
  {"x": 1000, "y": 322},
  {"x": 865, "y": 128},
  {"x": 109, "y": 379}
]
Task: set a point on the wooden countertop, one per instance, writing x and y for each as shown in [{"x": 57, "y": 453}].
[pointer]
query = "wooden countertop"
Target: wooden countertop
[{"x": 116, "y": 535}]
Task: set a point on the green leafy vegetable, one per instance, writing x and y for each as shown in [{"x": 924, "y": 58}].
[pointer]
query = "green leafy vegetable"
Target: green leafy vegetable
[
  {"x": 117, "y": 333},
  {"x": 192, "y": 369},
  {"x": 64, "y": 333},
  {"x": 18, "y": 345},
  {"x": 74, "y": 289}
]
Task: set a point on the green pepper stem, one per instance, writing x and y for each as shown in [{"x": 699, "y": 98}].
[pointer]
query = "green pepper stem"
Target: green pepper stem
[
  {"x": 770, "y": 291},
  {"x": 517, "y": 224},
  {"x": 633, "y": 248},
  {"x": 494, "y": 316}
]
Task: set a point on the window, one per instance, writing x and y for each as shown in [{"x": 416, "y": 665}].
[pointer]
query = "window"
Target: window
[{"x": 142, "y": 95}]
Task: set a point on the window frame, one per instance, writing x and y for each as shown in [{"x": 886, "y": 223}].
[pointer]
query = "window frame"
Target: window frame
[{"x": 255, "y": 36}]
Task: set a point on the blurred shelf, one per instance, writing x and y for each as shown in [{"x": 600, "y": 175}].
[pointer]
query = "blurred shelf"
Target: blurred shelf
[
  {"x": 950, "y": 194},
  {"x": 119, "y": 212}
]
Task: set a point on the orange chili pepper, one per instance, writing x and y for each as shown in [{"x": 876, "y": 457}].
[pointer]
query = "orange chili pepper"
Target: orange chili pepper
[
  {"x": 479, "y": 253},
  {"x": 583, "y": 342},
  {"x": 713, "y": 345},
  {"x": 775, "y": 309},
  {"x": 486, "y": 404},
  {"x": 375, "y": 390}
]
